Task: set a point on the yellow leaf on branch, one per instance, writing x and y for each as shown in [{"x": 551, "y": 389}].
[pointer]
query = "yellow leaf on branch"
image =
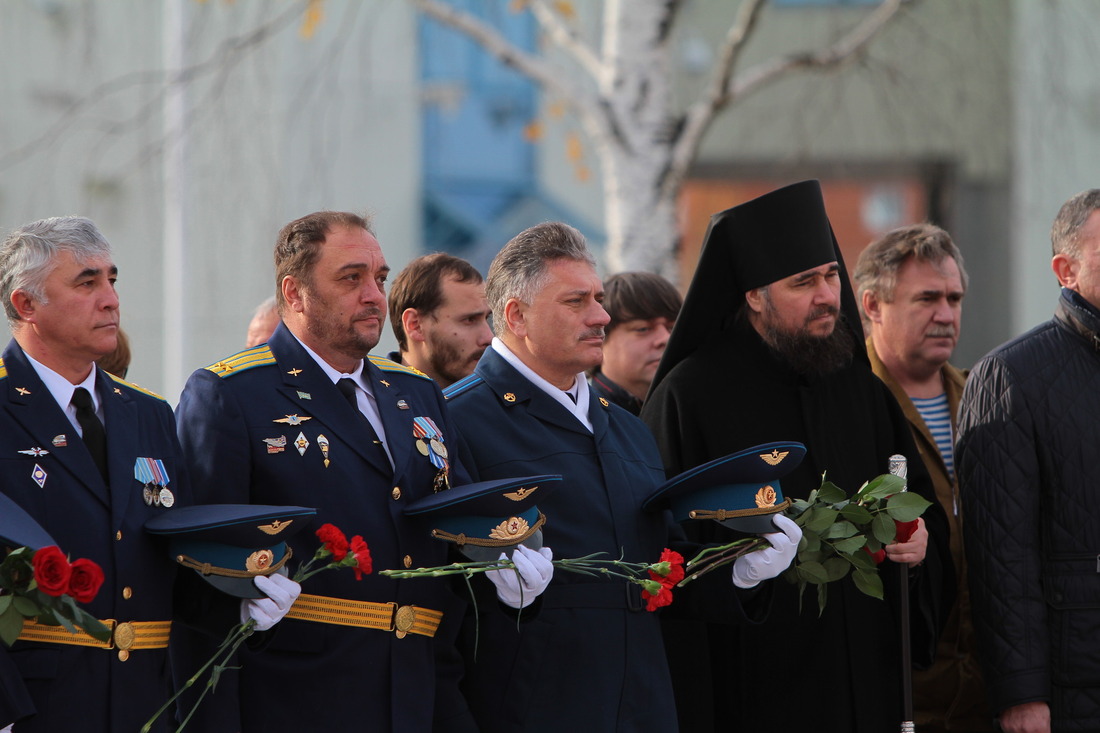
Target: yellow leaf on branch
[{"x": 312, "y": 18}]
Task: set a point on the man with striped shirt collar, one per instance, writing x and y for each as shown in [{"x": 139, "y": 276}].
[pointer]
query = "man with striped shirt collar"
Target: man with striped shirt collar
[{"x": 911, "y": 284}]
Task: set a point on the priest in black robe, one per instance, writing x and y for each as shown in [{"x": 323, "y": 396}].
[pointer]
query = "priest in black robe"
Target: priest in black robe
[{"x": 768, "y": 348}]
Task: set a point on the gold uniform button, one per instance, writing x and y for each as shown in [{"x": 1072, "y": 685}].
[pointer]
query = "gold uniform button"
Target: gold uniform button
[
  {"x": 123, "y": 655},
  {"x": 127, "y": 593},
  {"x": 396, "y": 493},
  {"x": 408, "y": 561},
  {"x": 118, "y": 535}
]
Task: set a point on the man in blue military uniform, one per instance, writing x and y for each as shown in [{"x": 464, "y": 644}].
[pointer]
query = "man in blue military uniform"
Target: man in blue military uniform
[
  {"x": 593, "y": 658},
  {"x": 311, "y": 419},
  {"x": 91, "y": 458}
]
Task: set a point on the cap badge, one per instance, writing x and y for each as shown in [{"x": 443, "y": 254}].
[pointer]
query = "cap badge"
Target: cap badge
[
  {"x": 292, "y": 419},
  {"x": 259, "y": 561},
  {"x": 775, "y": 457},
  {"x": 765, "y": 497},
  {"x": 521, "y": 493},
  {"x": 509, "y": 528},
  {"x": 275, "y": 527}
]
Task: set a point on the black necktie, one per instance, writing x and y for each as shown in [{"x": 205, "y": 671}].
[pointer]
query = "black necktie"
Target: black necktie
[
  {"x": 95, "y": 437},
  {"x": 347, "y": 388}
]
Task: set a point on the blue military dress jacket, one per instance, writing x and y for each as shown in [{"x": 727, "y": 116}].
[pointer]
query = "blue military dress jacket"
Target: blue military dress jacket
[
  {"x": 592, "y": 658},
  {"x": 47, "y": 470},
  {"x": 268, "y": 426}
]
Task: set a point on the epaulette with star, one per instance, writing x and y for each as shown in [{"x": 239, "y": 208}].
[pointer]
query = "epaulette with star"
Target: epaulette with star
[
  {"x": 461, "y": 386},
  {"x": 135, "y": 387},
  {"x": 387, "y": 365},
  {"x": 243, "y": 361}
]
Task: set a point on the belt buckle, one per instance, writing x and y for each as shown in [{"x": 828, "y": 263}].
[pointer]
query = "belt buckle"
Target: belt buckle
[
  {"x": 123, "y": 636},
  {"x": 402, "y": 619}
]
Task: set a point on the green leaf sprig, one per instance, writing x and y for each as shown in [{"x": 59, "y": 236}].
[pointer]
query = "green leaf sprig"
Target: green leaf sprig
[{"x": 842, "y": 535}]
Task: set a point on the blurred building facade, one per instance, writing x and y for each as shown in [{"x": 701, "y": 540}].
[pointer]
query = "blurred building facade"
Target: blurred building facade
[{"x": 190, "y": 131}]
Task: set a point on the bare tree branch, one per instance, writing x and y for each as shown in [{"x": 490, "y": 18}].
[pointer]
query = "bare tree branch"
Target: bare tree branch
[
  {"x": 725, "y": 86},
  {"x": 566, "y": 38},
  {"x": 594, "y": 111},
  {"x": 221, "y": 60},
  {"x": 537, "y": 69},
  {"x": 830, "y": 56}
]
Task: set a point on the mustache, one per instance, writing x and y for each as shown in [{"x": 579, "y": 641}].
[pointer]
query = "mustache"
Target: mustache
[
  {"x": 593, "y": 333},
  {"x": 368, "y": 312},
  {"x": 823, "y": 310},
  {"x": 941, "y": 332}
]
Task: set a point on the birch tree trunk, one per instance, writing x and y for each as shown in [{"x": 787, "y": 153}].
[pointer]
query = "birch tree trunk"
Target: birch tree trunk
[{"x": 622, "y": 94}]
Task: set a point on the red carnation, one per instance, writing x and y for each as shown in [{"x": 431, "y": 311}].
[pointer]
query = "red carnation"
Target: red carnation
[
  {"x": 363, "y": 563},
  {"x": 52, "y": 570},
  {"x": 653, "y": 602},
  {"x": 904, "y": 530},
  {"x": 85, "y": 580},
  {"x": 334, "y": 540},
  {"x": 675, "y": 569}
]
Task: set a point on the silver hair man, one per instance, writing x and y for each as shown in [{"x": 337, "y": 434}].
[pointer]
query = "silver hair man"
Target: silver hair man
[
  {"x": 28, "y": 255},
  {"x": 519, "y": 270}
]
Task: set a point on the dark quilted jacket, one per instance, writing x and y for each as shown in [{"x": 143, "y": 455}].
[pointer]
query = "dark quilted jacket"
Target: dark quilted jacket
[{"x": 1029, "y": 440}]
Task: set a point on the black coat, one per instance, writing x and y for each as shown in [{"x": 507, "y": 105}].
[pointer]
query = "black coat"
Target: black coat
[
  {"x": 1028, "y": 437},
  {"x": 843, "y": 667}
]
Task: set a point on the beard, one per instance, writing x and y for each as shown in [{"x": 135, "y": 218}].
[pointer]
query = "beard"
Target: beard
[
  {"x": 806, "y": 353},
  {"x": 448, "y": 361},
  {"x": 340, "y": 334}
]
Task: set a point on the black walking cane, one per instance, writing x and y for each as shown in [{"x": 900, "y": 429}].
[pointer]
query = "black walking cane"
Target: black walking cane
[{"x": 899, "y": 467}]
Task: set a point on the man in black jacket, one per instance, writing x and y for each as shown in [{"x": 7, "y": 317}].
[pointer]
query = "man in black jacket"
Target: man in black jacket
[
  {"x": 1026, "y": 458},
  {"x": 767, "y": 348}
]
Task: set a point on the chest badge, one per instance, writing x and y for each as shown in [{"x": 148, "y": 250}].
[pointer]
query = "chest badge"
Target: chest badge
[{"x": 292, "y": 420}]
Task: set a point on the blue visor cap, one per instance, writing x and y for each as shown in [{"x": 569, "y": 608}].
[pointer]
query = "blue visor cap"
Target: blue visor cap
[
  {"x": 230, "y": 544},
  {"x": 740, "y": 491},
  {"x": 18, "y": 529},
  {"x": 489, "y": 517}
]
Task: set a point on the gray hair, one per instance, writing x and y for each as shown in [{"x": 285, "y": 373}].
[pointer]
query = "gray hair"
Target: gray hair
[
  {"x": 877, "y": 268},
  {"x": 269, "y": 306},
  {"x": 28, "y": 255},
  {"x": 519, "y": 269},
  {"x": 1065, "y": 234}
]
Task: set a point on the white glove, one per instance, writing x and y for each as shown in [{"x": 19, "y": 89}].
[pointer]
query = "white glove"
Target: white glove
[
  {"x": 750, "y": 569},
  {"x": 518, "y": 588},
  {"x": 281, "y": 593}
]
